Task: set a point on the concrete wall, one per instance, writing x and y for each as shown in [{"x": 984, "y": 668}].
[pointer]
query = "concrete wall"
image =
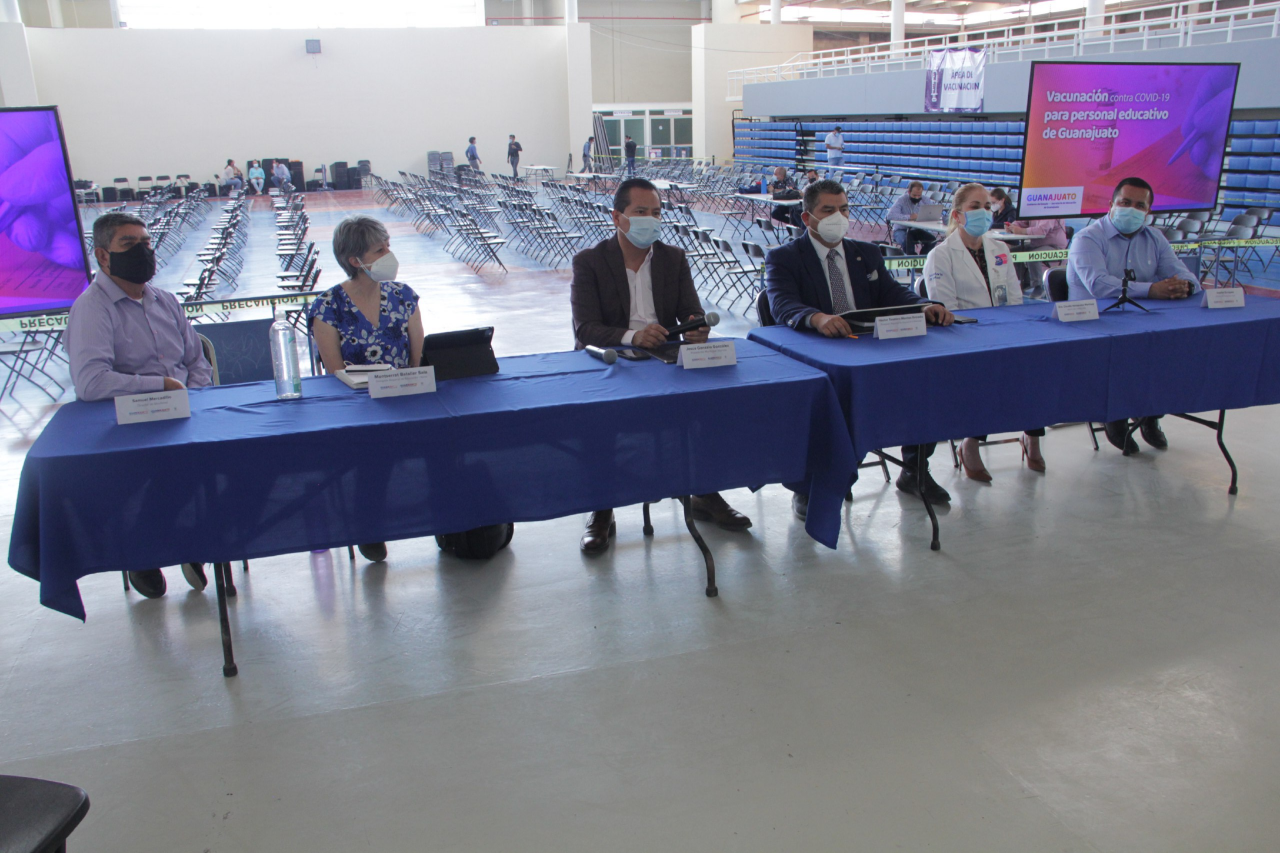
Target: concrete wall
[
  {"x": 719, "y": 48},
  {"x": 17, "y": 83},
  {"x": 140, "y": 102},
  {"x": 1006, "y": 84}
]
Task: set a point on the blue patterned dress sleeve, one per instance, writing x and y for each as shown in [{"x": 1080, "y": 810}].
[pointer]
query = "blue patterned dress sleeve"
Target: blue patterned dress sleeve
[{"x": 360, "y": 342}]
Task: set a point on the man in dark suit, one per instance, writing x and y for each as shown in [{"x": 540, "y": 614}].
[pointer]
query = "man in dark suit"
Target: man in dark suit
[
  {"x": 626, "y": 291},
  {"x": 814, "y": 279}
]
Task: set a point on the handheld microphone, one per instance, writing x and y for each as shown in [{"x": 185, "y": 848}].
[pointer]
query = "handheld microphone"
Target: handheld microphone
[
  {"x": 608, "y": 356},
  {"x": 711, "y": 319}
]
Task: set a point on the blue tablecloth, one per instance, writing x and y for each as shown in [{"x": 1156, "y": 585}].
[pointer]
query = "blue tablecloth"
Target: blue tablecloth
[
  {"x": 1017, "y": 368},
  {"x": 550, "y": 435}
]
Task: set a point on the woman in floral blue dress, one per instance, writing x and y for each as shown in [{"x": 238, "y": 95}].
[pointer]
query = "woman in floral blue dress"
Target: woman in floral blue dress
[{"x": 370, "y": 318}]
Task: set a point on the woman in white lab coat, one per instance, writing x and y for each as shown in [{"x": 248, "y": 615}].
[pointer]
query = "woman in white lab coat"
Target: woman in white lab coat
[{"x": 972, "y": 269}]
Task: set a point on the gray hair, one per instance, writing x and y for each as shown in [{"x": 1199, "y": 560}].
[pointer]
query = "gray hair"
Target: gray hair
[
  {"x": 104, "y": 227},
  {"x": 354, "y": 236}
]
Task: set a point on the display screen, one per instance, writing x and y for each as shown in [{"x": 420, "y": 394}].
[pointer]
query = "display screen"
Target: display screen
[
  {"x": 43, "y": 266},
  {"x": 1091, "y": 125}
]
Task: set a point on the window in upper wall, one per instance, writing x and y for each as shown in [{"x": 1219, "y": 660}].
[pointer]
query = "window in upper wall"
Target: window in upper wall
[{"x": 298, "y": 14}]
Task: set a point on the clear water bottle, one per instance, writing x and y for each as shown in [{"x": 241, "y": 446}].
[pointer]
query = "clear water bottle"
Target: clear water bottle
[{"x": 284, "y": 359}]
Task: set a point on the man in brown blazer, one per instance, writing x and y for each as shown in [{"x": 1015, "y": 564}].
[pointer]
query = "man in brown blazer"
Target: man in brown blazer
[{"x": 626, "y": 291}]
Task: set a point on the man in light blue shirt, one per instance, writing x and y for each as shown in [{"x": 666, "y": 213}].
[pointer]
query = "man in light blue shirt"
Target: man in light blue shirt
[
  {"x": 1100, "y": 254},
  {"x": 835, "y": 153},
  {"x": 126, "y": 337},
  {"x": 472, "y": 155},
  {"x": 906, "y": 209}
]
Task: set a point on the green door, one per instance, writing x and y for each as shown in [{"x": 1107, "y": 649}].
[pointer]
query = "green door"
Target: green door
[
  {"x": 684, "y": 136},
  {"x": 660, "y": 133}
]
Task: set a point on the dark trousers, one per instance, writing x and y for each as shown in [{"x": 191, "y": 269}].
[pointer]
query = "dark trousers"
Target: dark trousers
[
  {"x": 631, "y": 166},
  {"x": 926, "y": 239},
  {"x": 911, "y": 454},
  {"x": 515, "y": 165}
]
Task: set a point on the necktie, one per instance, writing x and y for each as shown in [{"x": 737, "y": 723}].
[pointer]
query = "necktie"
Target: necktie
[{"x": 839, "y": 301}]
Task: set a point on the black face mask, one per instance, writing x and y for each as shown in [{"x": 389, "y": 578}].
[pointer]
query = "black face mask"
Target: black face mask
[{"x": 137, "y": 265}]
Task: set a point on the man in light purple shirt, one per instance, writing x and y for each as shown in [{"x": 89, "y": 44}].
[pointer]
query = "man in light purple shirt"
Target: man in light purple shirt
[{"x": 126, "y": 337}]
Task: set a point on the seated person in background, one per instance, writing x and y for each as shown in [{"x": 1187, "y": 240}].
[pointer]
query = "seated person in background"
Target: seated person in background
[
  {"x": 256, "y": 176},
  {"x": 126, "y": 337},
  {"x": 625, "y": 290},
  {"x": 972, "y": 269},
  {"x": 782, "y": 183},
  {"x": 1049, "y": 234},
  {"x": 1002, "y": 210},
  {"x": 280, "y": 174},
  {"x": 232, "y": 176},
  {"x": 340, "y": 317},
  {"x": 814, "y": 279},
  {"x": 905, "y": 209},
  {"x": 810, "y": 177},
  {"x": 1099, "y": 255}
]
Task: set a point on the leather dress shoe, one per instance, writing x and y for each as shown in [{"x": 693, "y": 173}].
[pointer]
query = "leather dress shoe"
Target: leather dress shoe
[
  {"x": 149, "y": 582},
  {"x": 1118, "y": 434},
  {"x": 194, "y": 573},
  {"x": 800, "y": 505},
  {"x": 715, "y": 509},
  {"x": 375, "y": 552},
  {"x": 599, "y": 529},
  {"x": 1152, "y": 434},
  {"x": 909, "y": 483}
]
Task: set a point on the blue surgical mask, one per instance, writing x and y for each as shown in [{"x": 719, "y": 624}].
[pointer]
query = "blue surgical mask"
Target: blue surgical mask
[
  {"x": 977, "y": 222},
  {"x": 644, "y": 230},
  {"x": 1127, "y": 220}
]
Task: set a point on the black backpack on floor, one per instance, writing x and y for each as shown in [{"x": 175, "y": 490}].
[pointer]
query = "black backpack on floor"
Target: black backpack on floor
[{"x": 479, "y": 543}]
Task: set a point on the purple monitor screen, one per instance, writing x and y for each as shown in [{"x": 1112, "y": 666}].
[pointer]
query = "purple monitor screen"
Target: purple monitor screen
[{"x": 43, "y": 266}]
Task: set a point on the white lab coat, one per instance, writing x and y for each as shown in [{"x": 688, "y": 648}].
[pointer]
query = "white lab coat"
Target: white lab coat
[{"x": 953, "y": 278}]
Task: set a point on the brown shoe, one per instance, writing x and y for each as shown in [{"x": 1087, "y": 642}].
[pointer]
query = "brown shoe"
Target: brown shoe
[
  {"x": 599, "y": 529},
  {"x": 713, "y": 508}
]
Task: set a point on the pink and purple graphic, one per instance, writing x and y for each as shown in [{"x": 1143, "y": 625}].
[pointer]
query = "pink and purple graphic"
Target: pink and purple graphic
[
  {"x": 1090, "y": 125},
  {"x": 42, "y": 259}
]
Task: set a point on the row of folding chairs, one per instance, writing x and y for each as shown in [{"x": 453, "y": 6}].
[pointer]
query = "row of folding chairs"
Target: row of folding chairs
[{"x": 222, "y": 257}]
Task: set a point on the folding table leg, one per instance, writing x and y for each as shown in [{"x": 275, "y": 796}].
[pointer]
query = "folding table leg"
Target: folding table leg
[
  {"x": 712, "y": 592},
  {"x": 648, "y": 525},
  {"x": 220, "y": 571},
  {"x": 1218, "y": 426}
]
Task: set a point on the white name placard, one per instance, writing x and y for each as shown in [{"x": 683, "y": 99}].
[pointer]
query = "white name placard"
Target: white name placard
[
  {"x": 160, "y": 406},
  {"x": 900, "y": 326},
  {"x": 710, "y": 354},
  {"x": 1224, "y": 297},
  {"x": 402, "y": 383},
  {"x": 1076, "y": 310}
]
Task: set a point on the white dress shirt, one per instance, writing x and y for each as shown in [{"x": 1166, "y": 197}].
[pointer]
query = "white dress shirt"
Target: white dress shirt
[
  {"x": 640, "y": 283},
  {"x": 841, "y": 264},
  {"x": 835, "y": 141}
]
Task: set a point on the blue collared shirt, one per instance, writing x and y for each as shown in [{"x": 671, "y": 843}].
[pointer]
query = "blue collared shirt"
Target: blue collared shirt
[
  {"x": 1100, "y": 254},
  {"x": 119, "y": 345}
]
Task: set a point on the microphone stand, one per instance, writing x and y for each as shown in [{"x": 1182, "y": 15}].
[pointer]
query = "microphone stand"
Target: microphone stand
[{"x": 1125, "y": 298}]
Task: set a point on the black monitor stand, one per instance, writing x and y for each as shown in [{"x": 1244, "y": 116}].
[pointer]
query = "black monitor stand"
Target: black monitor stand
[{"x": 1125, "y": 298}]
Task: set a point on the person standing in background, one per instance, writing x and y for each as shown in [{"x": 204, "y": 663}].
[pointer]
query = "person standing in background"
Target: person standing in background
[
  {"x": 473, "y": 156},
  {"x": 835, "y": 153},
  {"x": 629, "y": 151},
  {"x": 257, "y": 177},
  {"x": 586, "y": 154},
  {"x": 513, "y": 155}
]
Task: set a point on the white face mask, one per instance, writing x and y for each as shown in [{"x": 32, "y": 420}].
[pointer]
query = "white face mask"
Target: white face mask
[
  {"x": 833, "y": 228},
  {"x": 384, "y": 268}
]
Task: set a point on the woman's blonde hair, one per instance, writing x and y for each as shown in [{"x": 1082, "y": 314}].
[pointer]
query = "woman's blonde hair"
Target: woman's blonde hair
[{"x": 957, "y": 200}]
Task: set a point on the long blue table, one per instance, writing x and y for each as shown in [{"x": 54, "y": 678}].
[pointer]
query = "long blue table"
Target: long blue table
[
  {"x": 550, "y": 435},
  {"x": 1017, "y": 368}
]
